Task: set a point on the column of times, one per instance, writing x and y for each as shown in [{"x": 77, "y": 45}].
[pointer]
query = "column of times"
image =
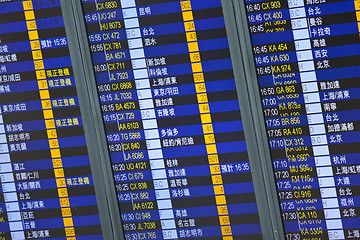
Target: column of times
[{"x": 173, "y": 124}]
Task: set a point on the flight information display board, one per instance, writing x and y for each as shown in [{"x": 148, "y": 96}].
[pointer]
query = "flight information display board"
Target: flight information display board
[
  {"x": 46, "y": 188},
  {"x": 306, "y": 55},
  {"x": 172, "y": 119}
]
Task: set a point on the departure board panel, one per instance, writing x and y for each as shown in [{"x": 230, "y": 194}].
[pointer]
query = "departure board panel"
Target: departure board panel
[
  {"x": 307, "y": 61},
  {"x": 46, "y": 189},
  {"x": 172, "y": 119}
]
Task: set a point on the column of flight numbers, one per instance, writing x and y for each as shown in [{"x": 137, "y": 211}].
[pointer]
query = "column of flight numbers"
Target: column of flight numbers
[
  {"x": 271, "y": 81},
  {"x": 115, "y": 114},
  {"x": 49, "y": 120},
  {"x": 149, "y": 122},
  {"x": 206, "y": 121}
]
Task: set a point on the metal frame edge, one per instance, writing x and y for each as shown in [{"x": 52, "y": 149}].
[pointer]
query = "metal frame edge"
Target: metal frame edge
[{"x": 253, "y": 119}]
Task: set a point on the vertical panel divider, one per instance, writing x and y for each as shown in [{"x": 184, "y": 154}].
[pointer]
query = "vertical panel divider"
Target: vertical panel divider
[
  {"x": 92, "y": 120},
  {"x": 253, "y": 119}
]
